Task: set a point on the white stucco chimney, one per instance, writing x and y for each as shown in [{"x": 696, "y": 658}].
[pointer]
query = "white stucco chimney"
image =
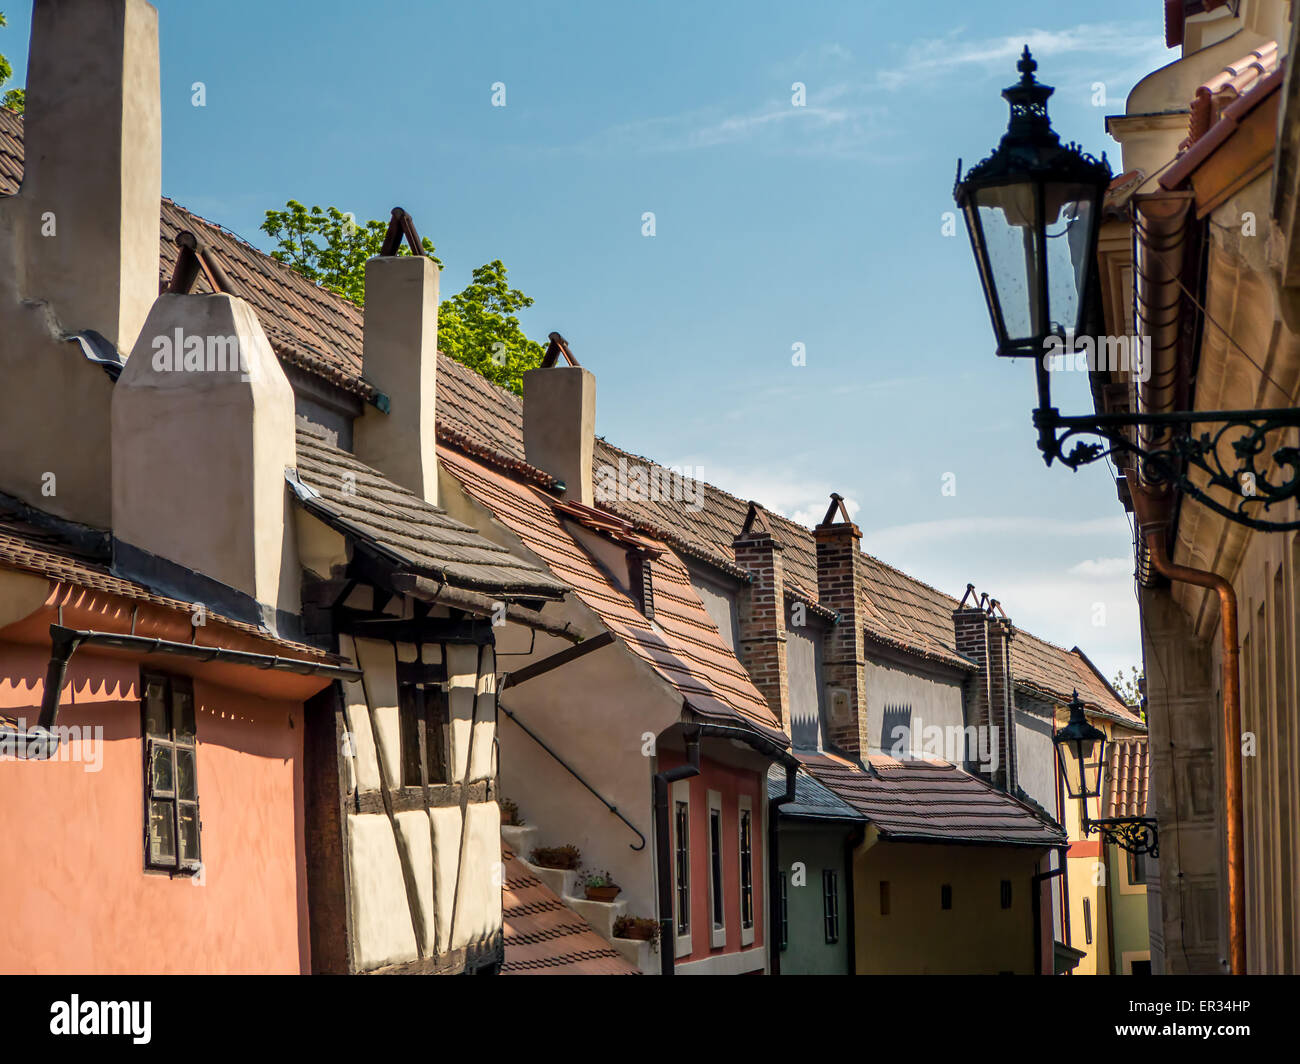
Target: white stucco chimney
[
  {"x": 400, "y": 358},
  {"x": 560, "y": 421},
  {"x": 203, "y": 430},
  {"x": 93, "y": 177},
  {"x": 78, "y": 247}
]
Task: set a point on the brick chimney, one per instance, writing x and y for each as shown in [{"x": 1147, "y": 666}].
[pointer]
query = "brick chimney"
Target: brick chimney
[
  {"x": 400, "y": 358},
  {"x": 983, "y": 633},
  {"x": 762, "y": 643},
  {"x": 78, "y": 247},
  {"x": 840, "y": 580},
  {"x": 560, "y": 420},
  {"x": 203, "y": 429}
]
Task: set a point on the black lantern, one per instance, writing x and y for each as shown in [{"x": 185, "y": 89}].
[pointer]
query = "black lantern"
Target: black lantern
[
  {"x": 1033, "y": 209},
  {"x": 1080, "y": 753},
  {"x": 1081, "y": 757}
]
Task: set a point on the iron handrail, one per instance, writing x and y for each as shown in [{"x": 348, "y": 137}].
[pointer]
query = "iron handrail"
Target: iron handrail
[{"x": 574, "y": 773}]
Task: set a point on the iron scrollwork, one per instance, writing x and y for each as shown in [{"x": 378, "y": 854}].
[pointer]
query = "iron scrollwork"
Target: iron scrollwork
[
  {"x": 1137, "y": 835},
  {"x": 1174, "y": 449}
]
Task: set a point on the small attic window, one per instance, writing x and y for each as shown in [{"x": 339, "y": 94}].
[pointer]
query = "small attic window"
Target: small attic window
[{"x": 641, "y": 581}]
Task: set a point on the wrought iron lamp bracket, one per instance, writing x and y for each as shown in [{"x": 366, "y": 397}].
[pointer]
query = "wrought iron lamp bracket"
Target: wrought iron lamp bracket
[
  {"x": 1136, "y": 834},
  {"x": 1178, "y": 449}
]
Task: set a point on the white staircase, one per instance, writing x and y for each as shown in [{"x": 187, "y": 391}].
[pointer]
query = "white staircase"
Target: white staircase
[{"x": 599, "y": 915}]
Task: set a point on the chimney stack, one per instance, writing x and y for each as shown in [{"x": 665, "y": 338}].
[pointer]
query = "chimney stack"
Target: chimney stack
[
  {"x": 560, "y": 420},
  {"x": 983, "y": 633},
  {"x": 762, "y": 643},
  {"x": 93, "y": 173},
  {"x": 203, "y": 430},
  {"x": 840, "y": 581},
  {"x": 78, "y": 247},
  {"x": 400, "y": 358}
]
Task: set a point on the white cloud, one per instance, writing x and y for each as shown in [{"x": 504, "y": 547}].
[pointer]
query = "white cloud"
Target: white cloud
[
  {"x": 1103, "y": 567},
  {"x": 952, "y": 53},
  {"x": 1043, "y": 529}
]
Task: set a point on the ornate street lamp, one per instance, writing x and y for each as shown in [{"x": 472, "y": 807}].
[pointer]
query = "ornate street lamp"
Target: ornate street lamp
[
  {"x": 1033, "y": 210},
  {"x": 1081, "y": 758}
]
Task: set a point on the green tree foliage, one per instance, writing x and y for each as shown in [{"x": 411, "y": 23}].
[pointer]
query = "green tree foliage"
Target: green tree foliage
[
  {"x": 477, "y": 326},
  {"x": 1130, "y": 684},
  {"x": 14, "y": 99}
]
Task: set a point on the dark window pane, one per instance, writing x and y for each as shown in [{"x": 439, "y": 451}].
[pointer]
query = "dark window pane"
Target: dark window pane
[
  {"x": 715, "y": 847},
  {"x": 746, "y": 871},
  {"x": 1006, "y": 894},
  {"x": 683, "y": 868},
  {"x": 785, "y": 911},
  {"x": 155, "y": 708},
  {"x": 435, "y": 741},
  {"x": 409, "y": 719},
  {"x": 185, "y": 784},
  {"x": 162, "y": 779},
  {"x": 162, "y": 833},
  {"x": 189, "y": 819},
  {"x": 945, "y": 896},
  {"x": 182, "y": 708}
]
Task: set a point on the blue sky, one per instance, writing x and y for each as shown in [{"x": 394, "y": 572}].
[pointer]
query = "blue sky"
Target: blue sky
[{"x": 775, "y": 225}]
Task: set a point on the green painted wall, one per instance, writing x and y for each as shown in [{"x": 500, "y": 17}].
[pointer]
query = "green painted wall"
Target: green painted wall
[
  {"x": 816, "y": 848},
  {"x": 1130, "y": 931}
]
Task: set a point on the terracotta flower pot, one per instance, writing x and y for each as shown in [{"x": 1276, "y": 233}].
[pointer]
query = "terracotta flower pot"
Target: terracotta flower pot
[
  {"x": 603, "y": 893},
  {"x": 642, "y": 933}
]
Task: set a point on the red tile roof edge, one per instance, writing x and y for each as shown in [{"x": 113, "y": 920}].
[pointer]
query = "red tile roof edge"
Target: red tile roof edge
[{"x": 1192, "y": 159}]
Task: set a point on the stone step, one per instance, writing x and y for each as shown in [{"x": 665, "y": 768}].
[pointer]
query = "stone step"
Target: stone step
[
  {"x": 519, "y": 839},
  {"x": 642, "y": 954},
  {"x": 599, "y": 914}
]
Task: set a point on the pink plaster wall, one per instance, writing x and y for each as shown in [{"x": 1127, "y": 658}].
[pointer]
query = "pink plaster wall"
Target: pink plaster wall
[{"x": 73, "y": 888}]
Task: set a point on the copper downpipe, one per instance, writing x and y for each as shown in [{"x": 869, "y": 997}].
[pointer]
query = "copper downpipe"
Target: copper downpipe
[{"x": 1155, "y": 542}]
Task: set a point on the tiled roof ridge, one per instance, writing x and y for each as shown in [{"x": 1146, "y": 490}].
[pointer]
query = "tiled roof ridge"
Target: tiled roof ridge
[
  {"x": 314, "y": 286},
  {"x": 489, "y": 456}
]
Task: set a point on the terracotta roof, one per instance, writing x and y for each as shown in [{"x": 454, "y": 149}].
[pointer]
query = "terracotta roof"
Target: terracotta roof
[
  {"x": 1232, "y": 82},
  {"x": 924, "y": 800},
  {"x": 682, "y": 643},
  {"x": 322, "y": 333},
  {"x": 359, "y": 501},
  {"x": 1127, "y": 778},
  {"x": 1041, "y": 667},
  {"x": 39, "y": 551},
  {"x": 543, "y": 936},
  {"x": 1222, "y": 130}
]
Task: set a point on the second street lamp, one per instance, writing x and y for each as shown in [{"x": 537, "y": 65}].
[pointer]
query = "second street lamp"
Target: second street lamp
[{"x": 1081, "y": 758}]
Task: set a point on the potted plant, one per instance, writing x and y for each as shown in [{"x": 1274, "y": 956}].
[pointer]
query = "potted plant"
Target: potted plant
[
  {"x": 564, "y": 857},
  {"x": 640, "y": 928},
  {"x": 600, "y": 886},
  {"x": 510, "y": 816}
]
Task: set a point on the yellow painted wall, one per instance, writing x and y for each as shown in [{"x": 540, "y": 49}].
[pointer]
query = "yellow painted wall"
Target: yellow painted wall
[{"x": 918, "y": 937}]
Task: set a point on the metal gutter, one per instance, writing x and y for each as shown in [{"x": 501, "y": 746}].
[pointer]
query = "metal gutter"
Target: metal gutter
[{"x": 67, "y": 641}]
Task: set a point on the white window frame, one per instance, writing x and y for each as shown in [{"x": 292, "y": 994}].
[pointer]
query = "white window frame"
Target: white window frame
[
  {"x": 745, "y": 804},
  {"x": 717, "y": 932},
  {"x": 681, "y": 793}
]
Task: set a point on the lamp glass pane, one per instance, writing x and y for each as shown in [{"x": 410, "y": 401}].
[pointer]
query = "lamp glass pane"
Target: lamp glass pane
[
  {"x": 1069, "y": 211},
  {"x": 1013, "y": 246}
]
